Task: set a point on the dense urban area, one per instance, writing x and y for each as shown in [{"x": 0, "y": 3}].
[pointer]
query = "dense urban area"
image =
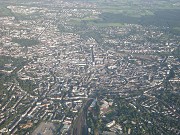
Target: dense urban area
[{"x": 89, "y": 67}]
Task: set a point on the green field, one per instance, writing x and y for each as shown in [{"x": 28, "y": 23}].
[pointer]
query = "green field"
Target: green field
[
  {"x": 25, "y": 42},
  {"x": 4, "y": 11}
]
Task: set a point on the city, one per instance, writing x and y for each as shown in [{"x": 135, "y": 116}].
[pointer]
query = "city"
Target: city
[{"x": 65, "y": 68}]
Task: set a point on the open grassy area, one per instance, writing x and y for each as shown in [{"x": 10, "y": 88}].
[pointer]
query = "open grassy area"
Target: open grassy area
[
  {"x": 176, "y": 30},
  {"x": 25, "y": 42},
  {"x": 106, "y": 24},
  {"x": 95, "y": 22},
  {"x": 4, "y": 11}
]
